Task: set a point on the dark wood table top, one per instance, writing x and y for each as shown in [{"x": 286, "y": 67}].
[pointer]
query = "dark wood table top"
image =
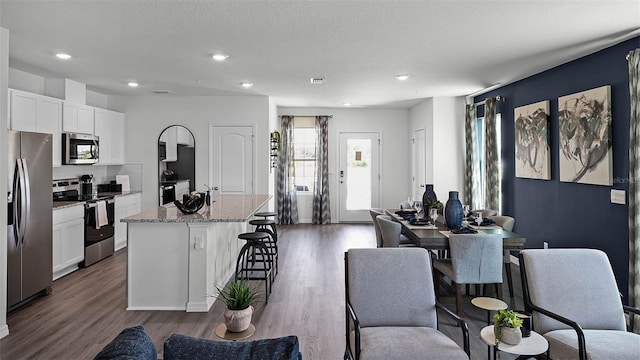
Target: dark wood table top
[{"x": 433, "y": 239}]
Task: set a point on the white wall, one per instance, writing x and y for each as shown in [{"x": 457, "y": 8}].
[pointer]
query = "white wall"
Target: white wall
[
  {"x": 443, "y": 119},
  {"x": 4, "y": 69},
  {"x": 393, "y": 125},
  {"x": 147, "y": 116}
]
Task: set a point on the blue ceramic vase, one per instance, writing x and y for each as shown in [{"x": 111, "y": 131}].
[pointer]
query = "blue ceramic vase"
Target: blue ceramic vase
[
  {"x": 428, "y": 196},
  {"x": 453, "y": 211}
]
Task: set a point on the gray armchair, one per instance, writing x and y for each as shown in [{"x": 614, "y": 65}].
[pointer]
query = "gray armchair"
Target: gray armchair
[
  {"x": 390, "y": 230},
  {"x": 575, "y": 304},
  {"x": 475, "y": 259},
  {"x": 391, "y": 307}
]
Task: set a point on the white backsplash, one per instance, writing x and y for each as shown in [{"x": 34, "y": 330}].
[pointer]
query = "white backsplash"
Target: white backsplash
[{"x": 102, "y": 174}]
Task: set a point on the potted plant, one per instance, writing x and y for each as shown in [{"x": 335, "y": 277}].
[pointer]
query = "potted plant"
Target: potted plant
[
  {"x": 506, "y": 326},
  {"x": 239, "y": 296},
  {"x": 436, "y": 204}
]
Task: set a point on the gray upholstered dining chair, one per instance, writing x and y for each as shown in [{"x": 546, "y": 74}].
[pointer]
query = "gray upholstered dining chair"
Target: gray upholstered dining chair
[
  {"x": 575, "y": 304},
  {"x": 391, "y": 307},
  {"x": 485, "y": 212},
  {"x": 506, "y": 222},
  {"x": 404, "y": 205},
  {"x": 390, "y": 231},
  {"x": 374, "y": 212},
  {"x": 475, "y": 259}
]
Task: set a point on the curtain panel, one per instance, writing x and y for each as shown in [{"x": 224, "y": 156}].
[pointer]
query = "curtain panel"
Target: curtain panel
[
  {"x": 321, "y": 207},
  {"x": 634, "y": 188},
  {"x": 492, "y": 158},
  {"x": 471, "y": 163},
  {"x": 286, "y": 198}
]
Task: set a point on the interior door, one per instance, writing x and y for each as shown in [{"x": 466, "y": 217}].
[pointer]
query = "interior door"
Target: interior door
[
  {"x": 418, "y": 166},
  {"x": 358, "y": 175},
  {"x": 231, "y": 154}
]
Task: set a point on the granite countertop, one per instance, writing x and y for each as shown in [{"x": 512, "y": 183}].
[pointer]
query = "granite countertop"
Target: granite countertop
[
  {"x": 224, "y": 208},
  {"x": 67, "y": 204}
]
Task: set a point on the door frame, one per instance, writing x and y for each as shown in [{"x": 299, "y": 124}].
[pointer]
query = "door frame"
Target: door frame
[
  {"x": 415, "y": 164},
  {"x": 254, "y": 165},
  {"x": 338, "y": 164}
]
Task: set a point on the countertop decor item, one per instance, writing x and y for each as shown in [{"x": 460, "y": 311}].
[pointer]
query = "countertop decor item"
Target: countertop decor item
[
  {"x": 239, "y": 297},
  {"x": 453, "y": 211},
  {"x": 429, "y": 196},
  {"x": 194, "y": 203},
  {"x": 507, "y": 327}
]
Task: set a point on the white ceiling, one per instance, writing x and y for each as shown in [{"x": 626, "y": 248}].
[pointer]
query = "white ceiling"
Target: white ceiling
[{"x": 449, "y": 48}]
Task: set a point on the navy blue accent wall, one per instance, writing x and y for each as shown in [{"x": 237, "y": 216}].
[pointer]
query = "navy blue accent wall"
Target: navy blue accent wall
[{"x": 570, "y": 214}]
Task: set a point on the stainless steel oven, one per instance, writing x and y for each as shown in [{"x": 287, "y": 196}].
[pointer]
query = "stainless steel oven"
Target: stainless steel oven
[
  {"x": 79, "y": 149},
  {"x": 99, "y": 216}
]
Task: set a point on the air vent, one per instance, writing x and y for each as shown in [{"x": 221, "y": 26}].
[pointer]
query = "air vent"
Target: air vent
[
  {"x": 316, "y": 80},
  {"x": 161, "y": 92}
]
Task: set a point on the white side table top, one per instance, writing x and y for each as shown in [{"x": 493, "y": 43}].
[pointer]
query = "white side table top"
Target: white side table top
[
  {"x": 488, "y": 303},
  {"x": 532, "y": 345}
]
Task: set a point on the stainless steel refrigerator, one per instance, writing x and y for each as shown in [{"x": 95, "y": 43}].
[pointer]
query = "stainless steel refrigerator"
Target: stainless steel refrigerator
[{"x": 29, "y": 230}]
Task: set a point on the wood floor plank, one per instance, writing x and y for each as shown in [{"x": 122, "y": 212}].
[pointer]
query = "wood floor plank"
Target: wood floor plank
[{"x": 86, "y": 309}]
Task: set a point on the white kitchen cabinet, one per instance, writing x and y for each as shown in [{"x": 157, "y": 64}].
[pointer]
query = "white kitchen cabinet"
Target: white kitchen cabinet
[
  {"x": 126, "y": 205},
  {"x": 182, "y": 188},
  {"x": 77, "y": 118},
  {"x": 68, "y": 240},
  {"x": 109, "y": 127},
  {"x": 170, "y": 138},
  {"x": 184, "y": 136},
  {"x": 37, "y": 113}
]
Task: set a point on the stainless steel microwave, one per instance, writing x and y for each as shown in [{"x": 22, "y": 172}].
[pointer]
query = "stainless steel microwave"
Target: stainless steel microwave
[{"x": 79, "y": 149}]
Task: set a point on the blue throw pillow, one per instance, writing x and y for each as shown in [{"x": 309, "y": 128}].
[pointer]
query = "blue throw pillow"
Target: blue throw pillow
[
  {"x": 131, "y": 343},
  {"x": 182, "y": 347}
]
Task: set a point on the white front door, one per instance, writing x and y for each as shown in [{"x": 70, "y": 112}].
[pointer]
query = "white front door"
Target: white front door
[
  {"x": 231, "y": 158},
  {"x": 358, "y": 175},
  {"x": 418, "y": 155}
]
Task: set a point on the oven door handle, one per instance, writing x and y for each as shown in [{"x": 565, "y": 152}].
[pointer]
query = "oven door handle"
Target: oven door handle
[{"x": 94, "y": 204}]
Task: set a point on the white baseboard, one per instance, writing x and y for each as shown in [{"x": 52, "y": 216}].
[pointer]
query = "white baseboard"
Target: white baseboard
[{"x": 4, "y": 331}]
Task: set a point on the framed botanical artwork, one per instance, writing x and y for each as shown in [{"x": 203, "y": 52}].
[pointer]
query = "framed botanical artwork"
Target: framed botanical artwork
[
  {"x": 533, "y": 157},
  {"x": 584, "y": 121}
]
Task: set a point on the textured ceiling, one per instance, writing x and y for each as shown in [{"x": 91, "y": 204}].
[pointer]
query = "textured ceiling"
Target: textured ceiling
[{"x": 448, "y": 47}]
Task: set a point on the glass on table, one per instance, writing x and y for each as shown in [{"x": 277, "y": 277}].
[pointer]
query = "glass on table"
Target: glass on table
[
  {"x": 418, "y": 206},
  {"x": 479, "y": 218},
  {"x": 433, "y": 215}
]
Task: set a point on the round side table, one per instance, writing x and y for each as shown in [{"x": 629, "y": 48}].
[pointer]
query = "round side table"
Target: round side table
[
  {"x": 489, "y": 304},
  {"x": 535, "y": 344},
  {"x": 221, "y": 332}
]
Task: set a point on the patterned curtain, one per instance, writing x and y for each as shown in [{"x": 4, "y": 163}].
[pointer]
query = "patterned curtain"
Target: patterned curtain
[
  {"x": 634, "y": 188},
  {"x": 471, "y": 163},
  {"x": 491, "y": 158},
  {"x": 321, "y": 209},
  {"x": 286, "y": 198}
]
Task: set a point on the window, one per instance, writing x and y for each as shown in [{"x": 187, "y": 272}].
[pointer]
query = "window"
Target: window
[
  {"x": 481, "y": 155},
  {"x": 304, "y": 157}
]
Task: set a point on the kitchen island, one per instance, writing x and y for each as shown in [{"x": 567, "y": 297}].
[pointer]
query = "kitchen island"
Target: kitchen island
[{"x": 175, "y": 260}]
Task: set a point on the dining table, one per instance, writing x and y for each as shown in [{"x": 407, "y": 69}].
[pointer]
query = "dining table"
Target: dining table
[{"x": 437, "y": 237}]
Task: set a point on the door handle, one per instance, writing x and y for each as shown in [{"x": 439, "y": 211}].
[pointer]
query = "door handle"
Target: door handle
[{"x": 215, "y": 188}]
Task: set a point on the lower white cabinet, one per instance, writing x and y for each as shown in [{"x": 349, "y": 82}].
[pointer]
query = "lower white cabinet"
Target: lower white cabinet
[
  {"x": 126, "y": 205},
  {"x": 68, "y": 240}
]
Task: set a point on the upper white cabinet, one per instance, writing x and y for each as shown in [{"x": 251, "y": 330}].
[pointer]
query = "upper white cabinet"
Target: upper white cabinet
[
  {"x": 184, "y": 136},
  {"x": 170, "y": 138},
  {"x": 37, "y": 113},
  {"x": 77, "y": 118},
  {"x": 109, "y": 127}
]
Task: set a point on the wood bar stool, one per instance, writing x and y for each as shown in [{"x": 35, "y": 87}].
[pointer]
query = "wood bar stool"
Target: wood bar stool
[
  {"x": 255, "y": 261},
  {"x": 265, "y": 214},
  {"x": 269, "y": 227}
]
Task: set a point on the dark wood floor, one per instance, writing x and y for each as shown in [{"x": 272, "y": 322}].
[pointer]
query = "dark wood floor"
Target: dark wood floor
[{"x": 86, "y": 309}]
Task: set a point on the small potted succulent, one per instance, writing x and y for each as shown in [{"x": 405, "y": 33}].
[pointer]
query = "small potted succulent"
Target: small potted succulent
[
  {"x": 239, "y": 296},
  {"x": 506, "y": 326}
]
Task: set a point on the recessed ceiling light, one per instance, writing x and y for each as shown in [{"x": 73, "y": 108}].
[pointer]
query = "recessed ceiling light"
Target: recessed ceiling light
[
  {"x": 132, "y": 84},
  {"x": 402, "y": 77},
  {"x": 246, "y": 84},
  {"x": 63, "y": 56},
  {"x": 346, "y": 104},
  {"x": 220, "y": 57}
]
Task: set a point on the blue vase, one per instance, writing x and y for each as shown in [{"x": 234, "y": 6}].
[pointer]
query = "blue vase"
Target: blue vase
[
  {"x": 428, "y": 196},
  {"x": 453, "y": 211}
]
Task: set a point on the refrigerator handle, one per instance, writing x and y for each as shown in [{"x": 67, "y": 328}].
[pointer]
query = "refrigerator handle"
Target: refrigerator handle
[
  {"x": 16, "y": 201},
  {"x": 27, "y": 196},
  {"x": 21, "y": 215}
]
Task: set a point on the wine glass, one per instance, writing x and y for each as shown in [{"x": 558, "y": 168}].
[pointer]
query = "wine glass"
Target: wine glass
[
  {"x": 479, "y": 218},
  {"x": 418, "y": 206},
  {"x": 433, "y": 214},
  {"x": 466, "y": 210},
  {"x": 410, "y": 201}
]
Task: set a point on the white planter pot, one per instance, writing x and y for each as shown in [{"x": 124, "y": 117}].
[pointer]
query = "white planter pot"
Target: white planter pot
[
  {"x": 511, "y": 336},
  {"x": 237, "y": 320}
]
